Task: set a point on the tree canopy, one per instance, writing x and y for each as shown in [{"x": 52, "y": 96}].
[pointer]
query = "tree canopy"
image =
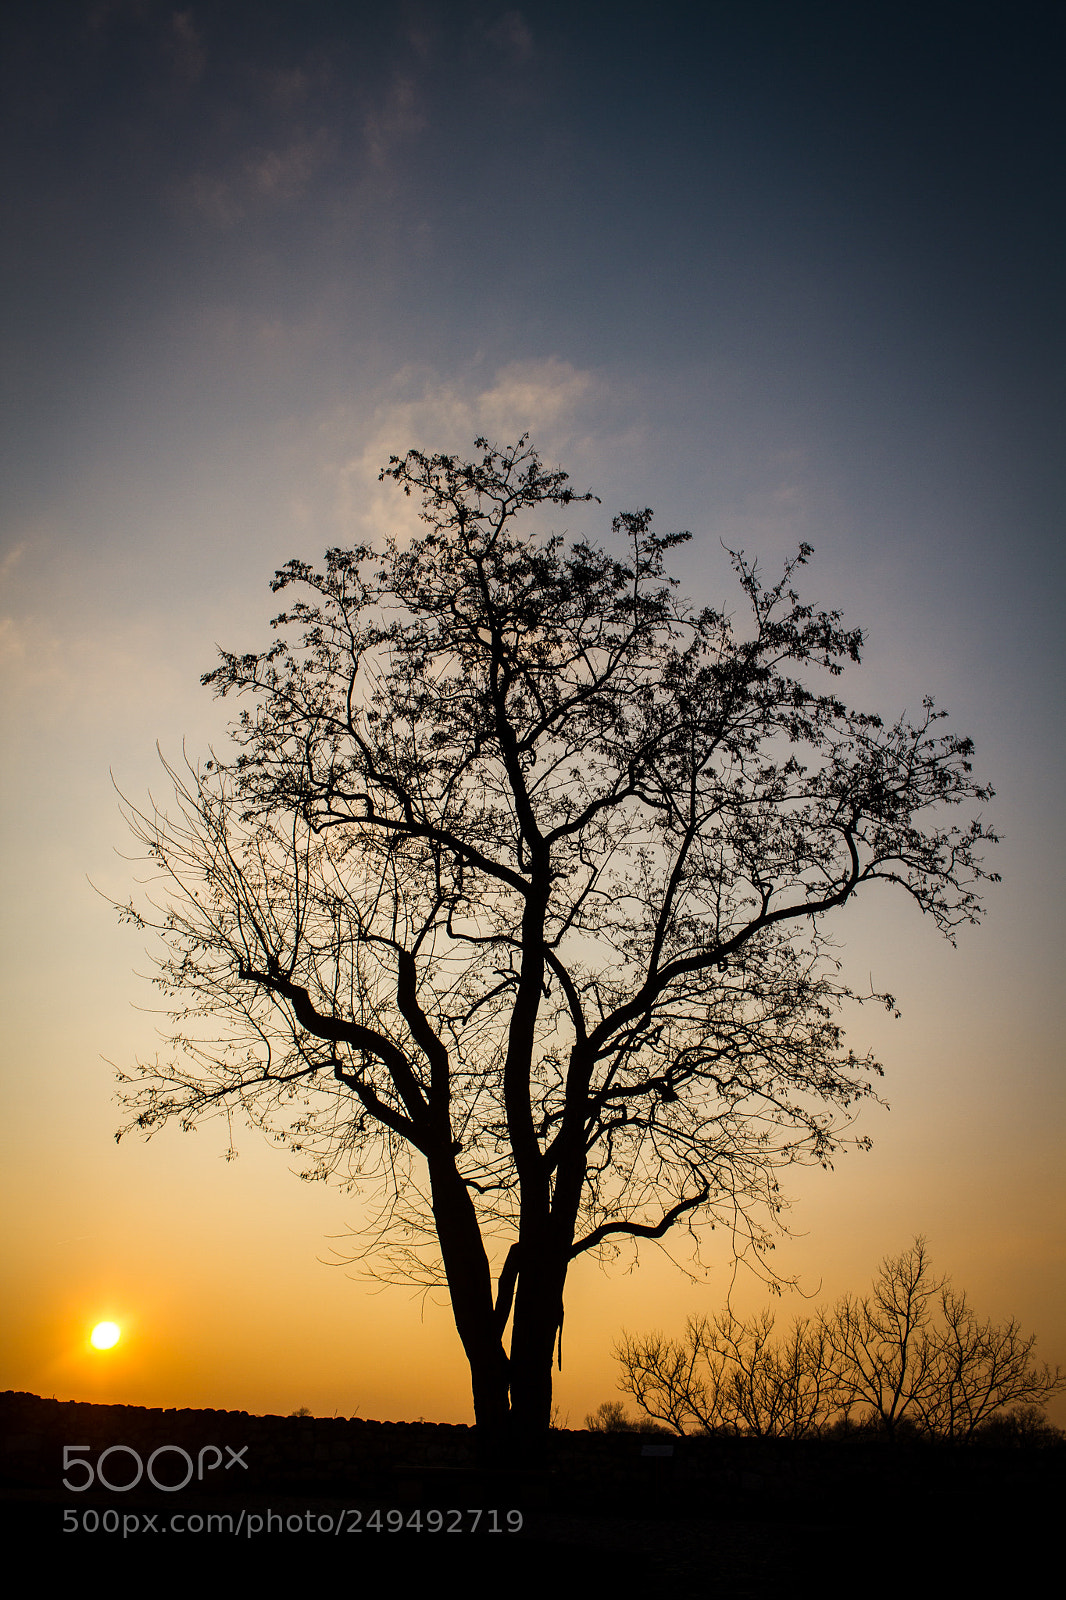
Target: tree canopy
[{"x": 515, "y": 894}]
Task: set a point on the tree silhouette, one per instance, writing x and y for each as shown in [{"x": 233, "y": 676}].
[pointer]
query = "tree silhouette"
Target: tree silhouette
[
  {"x": 915, "y": 1349},
  {"x": 728, "y": 1374},
  {"x": 912, "y": 1354},
  {"x": 514, "y": 893},
  {"x": 882, "y": 1348}
]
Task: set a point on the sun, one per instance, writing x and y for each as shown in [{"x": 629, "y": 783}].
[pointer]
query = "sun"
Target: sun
[{"x": 105, "y": 1335}]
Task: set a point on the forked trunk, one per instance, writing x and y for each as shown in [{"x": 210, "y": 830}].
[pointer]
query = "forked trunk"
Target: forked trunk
[
  {"x": 537, "y": 1316},
  {"x": 513, "y": 1395}
]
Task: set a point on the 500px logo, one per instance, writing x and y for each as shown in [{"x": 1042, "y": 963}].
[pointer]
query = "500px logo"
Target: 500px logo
[{"x": 73, "y": 1460}]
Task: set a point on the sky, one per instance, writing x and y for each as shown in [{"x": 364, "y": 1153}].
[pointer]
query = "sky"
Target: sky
[{"x": 783, "y": 272}]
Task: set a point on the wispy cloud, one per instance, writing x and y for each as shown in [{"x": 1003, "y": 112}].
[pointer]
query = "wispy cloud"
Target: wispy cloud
[
  {"x": 510, "y": 33},
  {"x": 282, "y": 175},
  {"x": 397, "y": 118},
  {"x": 10, "y": 560},
  {"x": 778, "y": 512},
  {"x": 259, "y": 180},
  {"x": 537, "y": 396},
  {"x": 560, "y": 405},
  {"x": 52, "y": 674},
  {"x": 185, "y": 46},
  {"x": 284, "y": 88}
]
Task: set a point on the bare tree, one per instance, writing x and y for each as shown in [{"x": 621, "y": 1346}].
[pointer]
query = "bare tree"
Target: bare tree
[
  {"x": 515, "y": 892},
  {"x": 731, "y": 1375},
  {"x": 883, "y": 1354},
  {"x": 912, "y": 1350},
  {"x": 777, "y": 1389},
  {"x": 979, "y": 1368},
  {"x": 612, "y": 1417},
  {"x": 678, "y": 1382}
]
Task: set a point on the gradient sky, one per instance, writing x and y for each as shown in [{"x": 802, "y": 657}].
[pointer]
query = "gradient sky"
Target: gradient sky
[{"x": 782, "y": 271}]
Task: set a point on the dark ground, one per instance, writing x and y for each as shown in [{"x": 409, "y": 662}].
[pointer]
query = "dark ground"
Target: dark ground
[{"x": 736, "y": 1517}]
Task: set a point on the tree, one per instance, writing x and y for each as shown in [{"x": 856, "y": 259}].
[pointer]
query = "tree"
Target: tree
[
  {"x": 730, "y": 1375},
  {"x": 1022, "y": 1425},
  {"x": 612, "y": 1417},
  {"x": 915, "y": 1348},
  {"x": 978, "y": 1369},
  {"x": 679, "y": 1382},
  {"x": 780, "y": 1389},
  {"x": 882, "y": 1348},
  {"x": 911, "y": 1352},
  {"x": 514, "y": 891}
]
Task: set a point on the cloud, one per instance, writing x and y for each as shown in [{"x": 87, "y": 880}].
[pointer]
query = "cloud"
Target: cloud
[
  {"x": 536, "y": 397},
  {"x": 52, "y": 673},
  {"x": 562, "y": 407},
  {"x": 212, "y": 197},
  {"x": 51, "y": 676},
  {"x": 259, "y": 180},
  {"x": 775, "y": 515},
  {"x": 421, "y": 30},
  {"x": 511, "y": 35},
  {"x": 186, "y": 48},
  {"x": 11, "y": 560},
  {"x": 398, "y": 118},
  {"x": 173, "y": 35},
  {"x": 284, "y": 88},
  {"x": 105, "y": 14},
  {"x": 278, "y": 176}
]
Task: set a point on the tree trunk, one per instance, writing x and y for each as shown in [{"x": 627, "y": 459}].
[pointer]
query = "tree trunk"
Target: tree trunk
[
  {"x": 537, "y": 1315},
  {"x": 469, "y": 1278}
]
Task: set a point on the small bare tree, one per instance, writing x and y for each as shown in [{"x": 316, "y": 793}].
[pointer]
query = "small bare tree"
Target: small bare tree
[
  {"x": 880, "y": 1343},
  {"x": 612, "y": 1417},
  {"x": 729, "y": 1374},
  {"x": 675, "y": 1381},
  {"x": 911, "y": 1351},
  {"x": 778, "y": 1389},
  {"x": 977, "y": 1369}
]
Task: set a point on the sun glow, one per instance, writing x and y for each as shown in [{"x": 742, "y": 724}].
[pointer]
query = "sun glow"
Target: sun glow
[{"x": 105, "y": 1335}]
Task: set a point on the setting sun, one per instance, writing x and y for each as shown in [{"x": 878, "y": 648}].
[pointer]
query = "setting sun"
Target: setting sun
[{"x": 105, "y": 1335}]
